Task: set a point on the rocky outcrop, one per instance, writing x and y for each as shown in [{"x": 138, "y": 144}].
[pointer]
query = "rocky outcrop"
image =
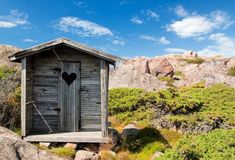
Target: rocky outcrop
[
  {"x": 190, "y": 54},
  {"x": 114, "y": 142},
  {"x": 134, "y": 73},
  {"x": 5, "y": 51},
  {"x": 86, "y": 155},
  {"x": 161, "y": 66},
  {"x": 130, "y": 130},
  {"x": 13, "y": 148},
  {"x": 231, "y": 62}
]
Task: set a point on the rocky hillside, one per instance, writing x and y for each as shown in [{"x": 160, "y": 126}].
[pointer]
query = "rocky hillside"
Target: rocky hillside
[
  {"x": 5, "y": 51},
  {"x": 172, "y": 70}
]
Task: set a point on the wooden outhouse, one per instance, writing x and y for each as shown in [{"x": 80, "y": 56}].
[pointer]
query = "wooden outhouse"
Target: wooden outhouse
[{"x": 64, "y": 92}]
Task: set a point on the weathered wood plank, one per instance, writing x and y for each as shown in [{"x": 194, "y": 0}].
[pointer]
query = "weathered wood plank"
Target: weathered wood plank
[
  {"x": 82, "y": 137},
  {"x": 23, "y": 97},
  {"x": 104, "y": 97}
]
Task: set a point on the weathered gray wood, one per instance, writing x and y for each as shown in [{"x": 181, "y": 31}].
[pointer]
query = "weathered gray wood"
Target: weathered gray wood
[
  {"x": 104, "y": 97},
  {"x": 66, "y": 42},
  {"x": 82, "y": 137},
  {"x": 23, "y": 97},
  {"x": 46, "y": 77},
  {"x": 70, "y": 99}
]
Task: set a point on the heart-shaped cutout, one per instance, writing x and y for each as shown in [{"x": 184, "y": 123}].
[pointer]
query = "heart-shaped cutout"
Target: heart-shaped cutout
[{"x": 69, "y": 78}]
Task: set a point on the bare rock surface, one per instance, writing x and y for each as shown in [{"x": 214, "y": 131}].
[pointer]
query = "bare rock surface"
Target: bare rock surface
[
  {"x": 71, "y": 146},
  {"x": 130, "y": 130},
  {"x": 13, "y": 148},
  {"x": 86, "y": 155},
  {"x": 134, "y": 73},
  {"x": 5, "y": 51}
]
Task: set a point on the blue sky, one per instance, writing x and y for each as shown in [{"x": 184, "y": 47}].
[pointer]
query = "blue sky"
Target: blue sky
[{"x": 126, "y": 28}]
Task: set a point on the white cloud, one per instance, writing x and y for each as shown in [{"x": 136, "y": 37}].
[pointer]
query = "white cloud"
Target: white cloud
[
  {"x": 161, "y": 40},
  {"x": 222, "y": 45},
  {"x": 118, "y": 42},
  {"x": 145, "y": 15},
  {"x": 180, "y": 11},
  {"x": 30, "y": 40},
  {"x": 137, "y": 20},
  {"x": 198, "y": 25},
  {"x": 151, "y": 14},
  {"x": 4, "y": 24},
  {"x": 148, "y": 38},
  {"x": 14, "y": 19},
  {"x": 80, "y": 4},
  {"x": 175, "y": 50},
  {"x": 82, "y": 27}
]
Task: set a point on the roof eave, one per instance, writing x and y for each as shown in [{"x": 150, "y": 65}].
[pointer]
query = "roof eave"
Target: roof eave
[{"x": 16, "y": 57}]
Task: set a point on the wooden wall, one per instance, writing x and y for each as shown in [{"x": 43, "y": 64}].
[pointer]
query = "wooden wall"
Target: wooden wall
[
  {"x": 29, "y": 95},
  {"x": 45, "y": 89},
  {"x": 45, "y": 75}
]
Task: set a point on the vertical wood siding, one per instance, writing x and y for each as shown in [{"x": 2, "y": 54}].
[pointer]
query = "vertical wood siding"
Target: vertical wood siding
[
  {"x": 46, "y": 88},
  {"x": 29, "y": 95}
]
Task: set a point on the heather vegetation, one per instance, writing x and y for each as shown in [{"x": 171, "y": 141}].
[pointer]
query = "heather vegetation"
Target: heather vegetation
[
  {"x": 231, "y": 71},
  {"x": 196, "y": 60},
  {"x": 218, "y": 144},
  {"x": 193, "y": 104},
  {"x": 9, "y": 97},
  {"x": 192, "y": 107}
]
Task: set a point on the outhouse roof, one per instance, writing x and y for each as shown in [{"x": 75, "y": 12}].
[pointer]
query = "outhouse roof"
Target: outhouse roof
[{"x": 62, "y": 41}]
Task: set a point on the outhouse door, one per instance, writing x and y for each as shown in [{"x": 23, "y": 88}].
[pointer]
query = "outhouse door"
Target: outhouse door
[{"x": 70, "y": 96}]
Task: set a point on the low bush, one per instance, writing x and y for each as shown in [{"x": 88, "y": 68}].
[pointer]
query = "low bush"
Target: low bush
[
  {"x": 194, "y": 60},
  {"x": 130, "y": 104},
  {"x": 218, "y": 144},
  {"x": 6, "y": 71},
  {"x": 231, "y": 71},
  {"x": 9, "y": 97},
  {"x": 189, "y": 105},
  {"x": 216, "y": 103}
]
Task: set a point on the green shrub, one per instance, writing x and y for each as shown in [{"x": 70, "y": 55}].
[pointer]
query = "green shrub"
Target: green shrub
[
  {"x": 231, "y": 71},
  {"x": 195, "y": 60},
  {"x": 215, "y": 102},
  {"x": 124, "y": 99},
  {"x": 6, "y": 71},
  {"x": 218, "y": 144},
  {"x": 131, "y": 104},
  {"x": 169, "y": 80}
]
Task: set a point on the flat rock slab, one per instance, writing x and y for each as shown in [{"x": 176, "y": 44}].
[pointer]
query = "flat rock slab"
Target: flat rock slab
[
  {"x": 71, "y": 146},
  {"x": 86, "y": 155},
  {"x": 43, "y": 144}
]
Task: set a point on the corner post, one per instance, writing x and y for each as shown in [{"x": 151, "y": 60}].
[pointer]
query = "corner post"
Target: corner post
[
  {"x": 23, "y": 97},
  {"x": 104, "y": 77}
]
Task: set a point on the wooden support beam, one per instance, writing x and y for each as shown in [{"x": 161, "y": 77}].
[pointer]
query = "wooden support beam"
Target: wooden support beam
[
  {"x": 104, "y": 75},
  {"x": 23, "y": 97}
]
